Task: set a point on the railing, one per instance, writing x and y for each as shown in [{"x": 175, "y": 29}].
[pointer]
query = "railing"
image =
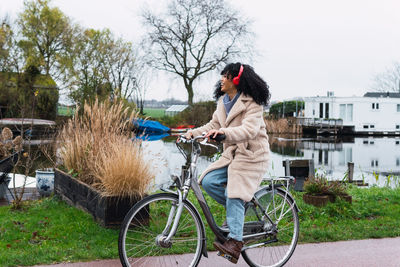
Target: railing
[{"x": 317, "y": 122}]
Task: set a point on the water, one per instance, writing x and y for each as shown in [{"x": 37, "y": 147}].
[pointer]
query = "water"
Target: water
[{"x": 376, "y": 160}]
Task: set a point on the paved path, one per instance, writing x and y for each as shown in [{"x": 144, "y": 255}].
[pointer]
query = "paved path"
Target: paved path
[{"x": 357, "y": 253}]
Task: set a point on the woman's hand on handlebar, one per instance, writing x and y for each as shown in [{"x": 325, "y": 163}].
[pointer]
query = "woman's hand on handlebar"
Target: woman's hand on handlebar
[
  {"x": 213, "y": 133},
  {"x": 187, "y": 136}
]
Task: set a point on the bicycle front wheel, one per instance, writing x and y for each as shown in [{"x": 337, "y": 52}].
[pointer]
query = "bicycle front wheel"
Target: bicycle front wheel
[
  {"x": 277, "y": 247},
  {"x": 142, "y": 234}
]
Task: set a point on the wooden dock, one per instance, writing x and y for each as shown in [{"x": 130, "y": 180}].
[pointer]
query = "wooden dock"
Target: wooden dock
[{"x": 321, "y": 126}]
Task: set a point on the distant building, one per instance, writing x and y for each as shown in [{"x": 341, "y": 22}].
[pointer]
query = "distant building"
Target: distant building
[
  {"x": 372, "y": 113},
  {"x": 175, "y": 109}
]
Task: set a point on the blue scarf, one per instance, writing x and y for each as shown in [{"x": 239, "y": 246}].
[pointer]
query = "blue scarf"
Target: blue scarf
[{"x": 229, "y": 103}]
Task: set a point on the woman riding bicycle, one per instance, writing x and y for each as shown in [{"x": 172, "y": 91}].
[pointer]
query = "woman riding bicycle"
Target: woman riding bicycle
[{"x": 233, "y": 179}]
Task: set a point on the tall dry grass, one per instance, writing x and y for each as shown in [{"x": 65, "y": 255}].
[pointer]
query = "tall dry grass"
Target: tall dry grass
[
  {"x": 283, "y": 126},
  {"x": 97, "y": 146}
]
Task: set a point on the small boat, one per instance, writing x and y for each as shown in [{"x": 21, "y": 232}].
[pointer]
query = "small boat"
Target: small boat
[
  {"x": 33, "y": 128},
  {"x": 149, "y": 126},
  {"x": 182, "y": 128},
  {"x": 151, "y": 136}
]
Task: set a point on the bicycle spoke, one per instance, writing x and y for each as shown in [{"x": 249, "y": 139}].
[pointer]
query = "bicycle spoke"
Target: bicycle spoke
[
  {"x": 140, "y": 238},
  {"x": 282, "y": 212}
]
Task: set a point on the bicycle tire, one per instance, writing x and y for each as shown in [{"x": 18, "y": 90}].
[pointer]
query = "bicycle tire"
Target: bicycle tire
[
  {"x": 277, "y": 253},
  {"x": 146, "y": 220}
]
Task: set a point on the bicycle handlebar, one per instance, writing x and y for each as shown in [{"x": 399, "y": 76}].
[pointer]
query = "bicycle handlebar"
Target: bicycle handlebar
[{"x": 218, "y": 138}]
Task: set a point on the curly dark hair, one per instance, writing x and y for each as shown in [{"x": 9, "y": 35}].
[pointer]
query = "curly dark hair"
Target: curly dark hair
[{"x": 250, "y": 84}]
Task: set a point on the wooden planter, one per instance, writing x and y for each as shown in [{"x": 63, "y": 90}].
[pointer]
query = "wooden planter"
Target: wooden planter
[
  {"x": 317, "y": 201},
  {"x": 107, "y": 211}
]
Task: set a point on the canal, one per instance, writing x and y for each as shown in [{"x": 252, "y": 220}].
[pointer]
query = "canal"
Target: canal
[{"x": 376, "y": 159}]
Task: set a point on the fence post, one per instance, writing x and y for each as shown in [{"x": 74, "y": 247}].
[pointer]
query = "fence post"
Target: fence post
[{"x": 350, "y": 171}]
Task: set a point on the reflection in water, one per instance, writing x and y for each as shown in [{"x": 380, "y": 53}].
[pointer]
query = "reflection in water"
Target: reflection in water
[{"x": 375, "y": 159}]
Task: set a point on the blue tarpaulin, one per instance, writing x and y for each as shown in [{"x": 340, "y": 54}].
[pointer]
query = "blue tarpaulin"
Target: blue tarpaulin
[
  {"x": 152, "y": 136},
  {"x": 149, "y": 126}
]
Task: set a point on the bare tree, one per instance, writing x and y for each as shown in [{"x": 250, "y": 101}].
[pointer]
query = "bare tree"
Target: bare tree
[
  {"x": 192, "y": 37},
  {"x": 388, "y": 81}
]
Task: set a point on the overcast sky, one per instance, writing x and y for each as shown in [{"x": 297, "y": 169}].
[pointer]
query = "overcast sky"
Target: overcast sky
[{"x": 306, "y": 47}]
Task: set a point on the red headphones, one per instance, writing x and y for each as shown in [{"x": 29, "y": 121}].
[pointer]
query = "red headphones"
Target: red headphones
[{"x": 237, "y": 78}]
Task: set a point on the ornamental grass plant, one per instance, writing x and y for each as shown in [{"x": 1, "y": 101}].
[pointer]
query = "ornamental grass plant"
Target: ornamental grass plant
[
  {"x": 319, "y": 185},
  {"x": 97, "y": 147}
]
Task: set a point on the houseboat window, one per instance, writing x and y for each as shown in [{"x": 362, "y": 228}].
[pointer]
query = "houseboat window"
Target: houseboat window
[
  {"x": 320, "y": 157},
  {"x": 372, "y": 126},
  {"x": 397, "y": 142},
  {"x": 321, "y": 110},
  {"x": 365, "y": 142},
  {"x": 374, "y": 163},
  {"x": 350, "y": 112},
  {"x": 397, "y": 126},
  {"x": 342, "y": 108},
  {"x": 398, "y": 162},
  {"x": 346, "y": 112},
  {"x": 365, "y": 126},
  {"x": 371, "y": 142},
  {"x": 313, "y": 112},
  {"x": 398, "y": 107},
  {"x": 326, "y": 110},
  {"x": 375, "y": 105}
]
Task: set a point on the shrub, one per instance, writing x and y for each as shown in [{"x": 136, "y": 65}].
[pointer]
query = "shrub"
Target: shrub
[
  {"x": 7, "y": 145},
  {"x": 199, "y": 113},
  {"x": 97, "y": 147},
  {"x": 319, "y": 185}
]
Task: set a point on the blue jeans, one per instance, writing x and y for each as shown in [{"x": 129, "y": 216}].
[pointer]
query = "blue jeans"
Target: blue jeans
[{"x": 214, "y": 183}]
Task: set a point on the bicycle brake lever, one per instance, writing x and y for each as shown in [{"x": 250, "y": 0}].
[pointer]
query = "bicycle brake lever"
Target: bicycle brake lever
[{"x": 204, "y": 142}]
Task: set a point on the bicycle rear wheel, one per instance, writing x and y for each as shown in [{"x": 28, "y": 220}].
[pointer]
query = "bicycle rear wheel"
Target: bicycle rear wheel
[
  {"x": 276, "y": 248},
  {"x": 144, "y": 227}
]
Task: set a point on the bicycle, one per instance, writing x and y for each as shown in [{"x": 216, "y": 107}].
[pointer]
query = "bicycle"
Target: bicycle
[{"x": 168, "y": 223}]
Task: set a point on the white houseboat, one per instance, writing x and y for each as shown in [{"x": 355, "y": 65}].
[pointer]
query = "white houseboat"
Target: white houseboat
[{"x": 373, "y": 113}]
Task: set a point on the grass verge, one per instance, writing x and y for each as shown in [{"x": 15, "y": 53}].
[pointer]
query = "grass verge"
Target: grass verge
[
  {"x": 49, "y": 231},
  {"x": 55, "y": 232}
]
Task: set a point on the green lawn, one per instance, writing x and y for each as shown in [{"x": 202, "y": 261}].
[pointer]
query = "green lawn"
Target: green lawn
[
  {"x": 65, "y": 111},
  {"x": 154, "y": 112},
  {"x": 50, "y": 231}
]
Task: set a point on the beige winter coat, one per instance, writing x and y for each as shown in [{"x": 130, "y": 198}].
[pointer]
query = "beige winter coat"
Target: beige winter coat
[{"x": 246, "y": 147}]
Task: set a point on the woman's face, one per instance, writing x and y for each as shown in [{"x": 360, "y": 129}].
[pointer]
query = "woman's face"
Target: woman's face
[{"x": 227, "y": 86}]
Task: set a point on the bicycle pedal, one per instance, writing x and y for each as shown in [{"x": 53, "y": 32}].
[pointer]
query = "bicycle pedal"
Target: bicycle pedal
[{"x": 226, "y": 256}]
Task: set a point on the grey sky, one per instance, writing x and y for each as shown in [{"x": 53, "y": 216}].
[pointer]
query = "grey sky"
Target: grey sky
[{"x": 307, "y": 47}]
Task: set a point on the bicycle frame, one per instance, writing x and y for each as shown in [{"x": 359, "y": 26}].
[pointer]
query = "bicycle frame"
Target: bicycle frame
[{"x": 189, "y": 181}]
